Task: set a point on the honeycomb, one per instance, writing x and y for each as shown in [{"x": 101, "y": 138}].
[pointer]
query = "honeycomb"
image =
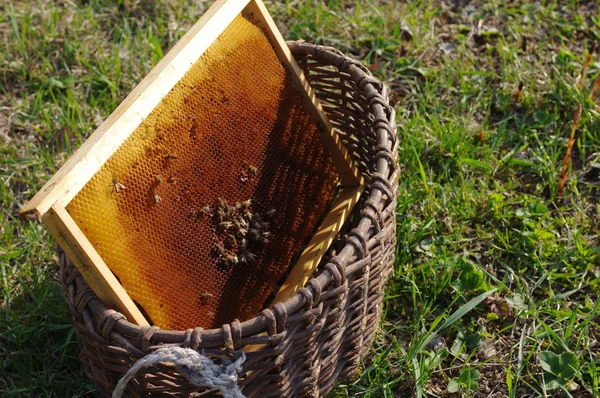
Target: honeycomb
[{"x": 201, "y": 210}]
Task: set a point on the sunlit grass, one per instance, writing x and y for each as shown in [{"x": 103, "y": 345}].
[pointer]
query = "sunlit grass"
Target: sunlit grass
[{"x": 478, "y": 209}]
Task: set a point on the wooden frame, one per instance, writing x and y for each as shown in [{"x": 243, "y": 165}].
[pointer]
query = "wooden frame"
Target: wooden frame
[
  {"x": 320, "y": 242},
  {"x": 49, "y": 204}
]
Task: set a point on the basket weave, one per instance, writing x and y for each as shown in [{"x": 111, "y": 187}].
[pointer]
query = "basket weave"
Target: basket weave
[{"x": 320, "y": 335}]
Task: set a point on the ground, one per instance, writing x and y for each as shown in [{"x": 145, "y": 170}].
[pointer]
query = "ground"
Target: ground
[{"x": 495, "y": 290}]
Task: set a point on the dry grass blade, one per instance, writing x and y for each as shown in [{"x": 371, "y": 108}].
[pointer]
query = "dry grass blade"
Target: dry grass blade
[
  {"x": 563, "y": 175},
  {"x": 517, "y": 94},
  {"x": 584, "y": 69},
  {"x": 595, "y": 89},
  {"x": 586, "y": 63}
]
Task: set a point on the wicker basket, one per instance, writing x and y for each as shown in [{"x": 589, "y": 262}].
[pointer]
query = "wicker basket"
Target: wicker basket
[{"x": 320, "y": 335}]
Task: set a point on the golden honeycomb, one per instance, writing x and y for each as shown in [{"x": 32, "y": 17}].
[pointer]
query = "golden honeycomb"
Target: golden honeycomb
[{"x": 232, "y": 130}]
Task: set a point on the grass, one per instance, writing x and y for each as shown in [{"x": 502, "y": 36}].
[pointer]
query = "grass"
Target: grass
[{"x": 495, "y": 291}]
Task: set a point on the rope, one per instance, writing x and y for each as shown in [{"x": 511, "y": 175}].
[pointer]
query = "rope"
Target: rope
[{"x": 197, "y": 368}]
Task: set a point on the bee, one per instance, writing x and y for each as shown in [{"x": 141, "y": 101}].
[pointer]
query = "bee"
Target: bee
[
  {"x": 267, "y": 237},
  {"x": 220, "y": 249},
  {"x": 159, "y": 179},
  {"x": 170, "y": 180},
  {"x": 246, "y": 204},
  {"x": 256, "y": 225},
  {"x": 252, "y": 170},
  {"x": 251, "y": 257},
  {"x": 240, "y": 230},
  {"x": 117, "y": 186},
  {"x": 231, "y": 241},
  {"x": 243, "y": 244},
  {"x": 240, "y": 223},
  {"x": 203, "y": 211},
  {"x": 230, "y": 259},
  {"x": 253, "y": 234},
  {"x": 243, "y": 259},
  {"x": 171, "y": 156},
  {"x": 206, "y": 296},
  {"x": 270, "y": 213},
  {"x": 156, "y": 197},
  {"x": 225, "y": 225},
  {"x": 220, "y": 203}
]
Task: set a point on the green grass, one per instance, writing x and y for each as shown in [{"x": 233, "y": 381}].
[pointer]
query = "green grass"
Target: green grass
[{"x": 495, "y": 290}]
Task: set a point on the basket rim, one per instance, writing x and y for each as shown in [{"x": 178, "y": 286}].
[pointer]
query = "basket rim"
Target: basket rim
[{"x": 355, "y": 245}]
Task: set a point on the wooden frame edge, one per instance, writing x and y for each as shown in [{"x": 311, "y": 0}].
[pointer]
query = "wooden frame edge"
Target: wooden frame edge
[
  {"x": 89, "y": 263},
  {"x": 107, "y": 138},
  {"x": 319, "y": 243}
]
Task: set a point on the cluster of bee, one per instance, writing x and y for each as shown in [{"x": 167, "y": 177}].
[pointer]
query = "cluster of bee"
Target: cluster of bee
[{"x": 240, "y": 229}]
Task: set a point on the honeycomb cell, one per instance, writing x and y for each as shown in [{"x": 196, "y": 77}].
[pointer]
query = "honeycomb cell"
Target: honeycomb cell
[{"x": 233, "y": 130}]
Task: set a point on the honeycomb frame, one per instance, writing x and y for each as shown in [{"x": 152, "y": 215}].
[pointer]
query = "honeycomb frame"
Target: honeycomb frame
[{"x": 50, "y": 204}]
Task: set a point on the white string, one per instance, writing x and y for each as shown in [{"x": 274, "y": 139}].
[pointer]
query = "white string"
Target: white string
[{"x": 197, "y": 368}]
